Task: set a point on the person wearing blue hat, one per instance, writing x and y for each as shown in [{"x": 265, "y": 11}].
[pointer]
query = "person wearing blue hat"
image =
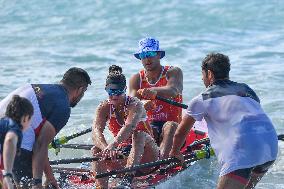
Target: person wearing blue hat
[{"x": 156, "y": 79}]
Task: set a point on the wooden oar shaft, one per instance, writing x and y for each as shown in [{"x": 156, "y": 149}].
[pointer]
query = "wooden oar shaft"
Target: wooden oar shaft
[{"x": 172, "y": 102}]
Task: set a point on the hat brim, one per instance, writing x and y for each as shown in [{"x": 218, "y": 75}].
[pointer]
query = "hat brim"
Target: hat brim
[{"x": 163, "y": 53}]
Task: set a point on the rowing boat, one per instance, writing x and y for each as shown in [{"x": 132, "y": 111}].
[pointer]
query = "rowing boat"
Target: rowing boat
[{"x": 80, "y": 178}]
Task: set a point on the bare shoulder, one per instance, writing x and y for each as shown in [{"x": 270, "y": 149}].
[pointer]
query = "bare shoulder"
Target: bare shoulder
[
  {"x": 103, "y": 107},
  {"x": 134, "y": 82},
  {"x": 135, "y": 78},
  {"x": 175, "y": 70},
  {"x": 135, "y": 103}
]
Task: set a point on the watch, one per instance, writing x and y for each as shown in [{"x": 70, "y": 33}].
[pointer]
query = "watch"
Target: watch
[
  {"x": 36, "y": 181},
  {"x": 7, "y": 174}
]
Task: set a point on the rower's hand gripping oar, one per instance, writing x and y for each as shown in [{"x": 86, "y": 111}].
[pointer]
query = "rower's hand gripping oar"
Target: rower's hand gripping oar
[
  {"x": 63, "y": 140},
  {"x": 153, "y": 95}
]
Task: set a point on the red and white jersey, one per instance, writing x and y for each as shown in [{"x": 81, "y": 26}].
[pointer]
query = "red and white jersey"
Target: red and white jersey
[
  {"x": 163, "y": 111},
  {"x": 115, "y": 126}
]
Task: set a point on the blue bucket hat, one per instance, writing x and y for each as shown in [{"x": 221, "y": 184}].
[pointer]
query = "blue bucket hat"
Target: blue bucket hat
[{"x": 148, "y": 44}]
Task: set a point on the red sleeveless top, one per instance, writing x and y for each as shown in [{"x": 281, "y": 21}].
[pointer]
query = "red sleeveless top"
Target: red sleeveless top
[
  {"x": 163, "y": 111},
  {"x": 115, "y": 127}
]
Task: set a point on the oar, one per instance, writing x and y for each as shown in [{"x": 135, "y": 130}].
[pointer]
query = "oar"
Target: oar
[
  {"x": 63, "y": 140},
  {"x": 198, "y": 154},
  {"x": 77, "y": 146},
  {"x": 281, "y": 137},
  {"x": 90, "y": 159},
  {"x": 71, "y": 171},
  {"x": 80, "y": 160},
  {"x": 172, "y": 102},
  {"x": 89, "y": 146}
]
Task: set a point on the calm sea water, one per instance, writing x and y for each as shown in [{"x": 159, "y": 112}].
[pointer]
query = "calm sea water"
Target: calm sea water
[{"x": 40, "y": 40}]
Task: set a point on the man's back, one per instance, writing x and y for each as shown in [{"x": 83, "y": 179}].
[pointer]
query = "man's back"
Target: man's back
[
  {"x": 235, "y": 122},
  {"x": 54, "y": 104}
]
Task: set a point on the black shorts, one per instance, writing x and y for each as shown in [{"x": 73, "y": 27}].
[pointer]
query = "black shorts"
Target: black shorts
[
  {"x": 22, "y": 169},
  {"x": 243, "y": 175},
  {"x": 157, "y": 127},
  {"x": 125, "y": 150}
]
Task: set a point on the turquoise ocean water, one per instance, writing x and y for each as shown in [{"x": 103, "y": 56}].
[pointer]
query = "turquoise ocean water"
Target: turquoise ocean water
[{"x": 40, "y": 40}]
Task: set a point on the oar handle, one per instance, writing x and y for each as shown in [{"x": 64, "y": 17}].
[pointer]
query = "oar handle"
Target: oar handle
[
  {"x": 65, "y": 139},
  {"x": 281, "y": 137},
  {"x": 196, "y": 143},
  {"x": 172, "y": 102}
]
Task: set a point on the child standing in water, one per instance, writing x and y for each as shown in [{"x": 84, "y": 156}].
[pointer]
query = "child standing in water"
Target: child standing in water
[{"x": 17, "y": 118}]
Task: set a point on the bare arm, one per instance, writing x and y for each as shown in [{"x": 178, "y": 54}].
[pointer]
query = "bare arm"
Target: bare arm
[
  {"x": 171, "y": 90},
  {"x": 134, "y": 85},
  {"x": 50, "y": 179},
  {"x": 181, "y": 133},
  {"x": 99, "y": 126},
  {"x": 40, "y": 151},
  {"x": 134, "y": 115},
  {"x": 9, "y": 151}
]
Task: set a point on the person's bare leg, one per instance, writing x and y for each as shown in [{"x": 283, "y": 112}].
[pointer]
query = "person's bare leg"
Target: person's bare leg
[
  {"x": 40, "y": 151},
  {"x": 167, "y": 136},
  {"x": 103, "y": 166},
  {"x": 226, "y": 182},
  {"x": 254, "y": 179},
  {"x": 99, "y": 167},
  {"x": 142, "y": 143}
]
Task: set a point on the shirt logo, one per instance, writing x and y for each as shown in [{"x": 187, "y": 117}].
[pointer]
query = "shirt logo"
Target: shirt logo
[{"x": 159, "y": 108}]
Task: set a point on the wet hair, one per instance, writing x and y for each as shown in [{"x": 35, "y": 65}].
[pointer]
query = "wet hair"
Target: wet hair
[
  {"x": 76, "y": 77},
  {"x": 116, "y": 76},
  {"x": 218, "y": 63},
  {"x": 19, "y": 107}
]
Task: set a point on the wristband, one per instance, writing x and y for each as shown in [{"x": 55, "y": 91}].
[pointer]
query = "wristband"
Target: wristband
[
  {"x": 6, "y": 174},
  {"x": 36, "y": 181}
]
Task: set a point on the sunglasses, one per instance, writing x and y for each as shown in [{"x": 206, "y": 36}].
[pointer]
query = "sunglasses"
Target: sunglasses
[
  {"x": 115, "y": 92},
  {"x": 147, "y": 54}
]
